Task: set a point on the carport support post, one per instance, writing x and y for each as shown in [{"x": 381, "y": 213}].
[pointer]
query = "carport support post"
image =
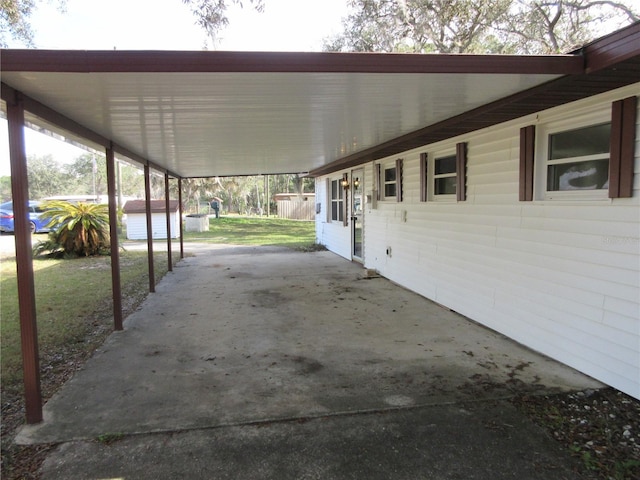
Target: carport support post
[
  {"x": 180, "y": 218},
  {"x": 24, "y": 261},
  {"x": 147, "y": 199},
  {"x": 113, "y": 236},
  {"x": 168, "y": 212}
]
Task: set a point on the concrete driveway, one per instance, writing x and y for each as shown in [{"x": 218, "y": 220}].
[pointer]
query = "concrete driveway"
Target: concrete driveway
[{"x": 255, "y": 362}]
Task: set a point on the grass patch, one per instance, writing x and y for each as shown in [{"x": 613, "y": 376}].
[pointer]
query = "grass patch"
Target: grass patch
[
  {"x": 256, "y": 231},
  {"x": 73, "y": 297}
]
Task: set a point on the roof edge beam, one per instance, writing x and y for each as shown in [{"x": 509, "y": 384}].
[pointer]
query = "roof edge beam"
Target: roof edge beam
[{"x": 123, "y": 61}]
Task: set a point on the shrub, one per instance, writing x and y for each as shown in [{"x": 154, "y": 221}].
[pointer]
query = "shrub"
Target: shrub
[{"x": 78, "y": 229}]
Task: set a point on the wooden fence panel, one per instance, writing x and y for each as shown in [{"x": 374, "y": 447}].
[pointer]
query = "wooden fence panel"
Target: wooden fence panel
[{"x": 296, "y": 210}]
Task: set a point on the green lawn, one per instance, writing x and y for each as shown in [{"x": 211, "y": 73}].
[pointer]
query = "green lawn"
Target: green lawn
[
  {"x": 73, "y": 297},
  {"x": 256, "y": 231}
]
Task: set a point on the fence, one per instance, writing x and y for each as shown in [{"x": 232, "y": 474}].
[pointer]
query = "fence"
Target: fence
[{"x": 296, "y": 209}]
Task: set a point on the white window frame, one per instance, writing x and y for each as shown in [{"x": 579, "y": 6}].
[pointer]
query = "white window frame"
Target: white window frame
[
  {"x": 592, "y": 118},
  {"x": 432, "y": 177},
  {"x": 338, "y": 201},
  {"x": 383, "y": 183}
]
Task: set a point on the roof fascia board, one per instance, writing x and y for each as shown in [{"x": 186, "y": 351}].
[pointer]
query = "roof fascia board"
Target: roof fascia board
[
  {"x": 551, "y": 94},
  {"x": 81, "y": 61},
  {"x": 8, "y": 94},
  {"x": 612, "y": 49}
]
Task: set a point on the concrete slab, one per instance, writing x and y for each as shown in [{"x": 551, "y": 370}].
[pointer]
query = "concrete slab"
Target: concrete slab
[
  {"x": 477, "y": 441},
  {"x": 237, "y": 337}
]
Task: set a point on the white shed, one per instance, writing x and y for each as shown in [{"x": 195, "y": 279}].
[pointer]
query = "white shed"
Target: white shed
[{"x": 137, "y": 219}]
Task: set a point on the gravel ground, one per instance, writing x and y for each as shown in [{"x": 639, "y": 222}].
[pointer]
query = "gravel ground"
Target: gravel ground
[{"x": 601, "y": 428}]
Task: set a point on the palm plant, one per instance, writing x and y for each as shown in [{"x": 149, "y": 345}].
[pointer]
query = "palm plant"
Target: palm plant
[{"x": 78, "y": 229}]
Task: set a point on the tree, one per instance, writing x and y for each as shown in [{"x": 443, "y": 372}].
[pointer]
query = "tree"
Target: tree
[
  {"x": 89, "y": 173},
  {"x": 443, "y": 26},
  {"x": 211, "y": 14},
  {"x": 14, "y": 20},
  {"x": 559, "y": 26},
  {"x": 46, "y": 178},
  {"x": 5, "y": 189},
  {"x": 476, "y": 26}
]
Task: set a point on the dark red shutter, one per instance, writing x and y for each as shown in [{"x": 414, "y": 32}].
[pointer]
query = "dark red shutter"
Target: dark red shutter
[
  {"x": 461, "y": 171},
  {"x": 399, "y": 180},
  {"x": 623, "y": 139},
  {"x": 378, "y": 181},
  {"x": 423, "y": 177},
  {"x": 527, "y": 152},
  {"x": 345, "y": 200}
]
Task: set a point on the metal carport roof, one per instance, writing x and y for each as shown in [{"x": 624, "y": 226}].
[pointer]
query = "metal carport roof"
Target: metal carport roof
[{"x": 199, "y": 114}]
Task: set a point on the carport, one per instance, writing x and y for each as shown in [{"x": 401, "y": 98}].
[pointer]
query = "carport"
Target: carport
[{"x": 200, "y": 114}]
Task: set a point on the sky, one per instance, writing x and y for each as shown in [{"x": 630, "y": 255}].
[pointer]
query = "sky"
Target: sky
[{"x": 285, "y": 25}]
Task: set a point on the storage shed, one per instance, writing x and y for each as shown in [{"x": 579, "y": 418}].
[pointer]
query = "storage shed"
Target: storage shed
[{"x": 135, "y": 211}]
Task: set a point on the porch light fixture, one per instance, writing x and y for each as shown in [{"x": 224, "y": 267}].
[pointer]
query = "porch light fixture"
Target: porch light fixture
[
  {"x": 356, "y": 183},
  {"x": 345, "y": 182}
]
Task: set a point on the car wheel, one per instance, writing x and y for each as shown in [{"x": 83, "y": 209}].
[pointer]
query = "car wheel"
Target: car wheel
[{"x": 32, "y": 227}]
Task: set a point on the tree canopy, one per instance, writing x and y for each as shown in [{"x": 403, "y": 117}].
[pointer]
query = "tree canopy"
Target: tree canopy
[
  {"x": 211, "y": 15},
  {"x": 477, "y": 26}
]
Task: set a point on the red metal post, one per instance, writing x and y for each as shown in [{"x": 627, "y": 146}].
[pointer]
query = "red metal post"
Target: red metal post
[
  {"x": 168, "y": 212},
  {"x": 113, "y": 236},
  {"x": 147, "y": 198},
  {"x": 24, "y": 261},
  {"x": 180, "y": 218}
]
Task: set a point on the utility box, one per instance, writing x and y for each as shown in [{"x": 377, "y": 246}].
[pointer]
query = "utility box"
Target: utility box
[{"x": 196, "y": 223}]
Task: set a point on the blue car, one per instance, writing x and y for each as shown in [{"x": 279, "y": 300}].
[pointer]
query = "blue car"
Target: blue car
[{"x": 37, "y": 225}]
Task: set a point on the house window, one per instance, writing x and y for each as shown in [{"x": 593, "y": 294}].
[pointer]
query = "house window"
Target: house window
[
  {"x": 444, "y": 175},
  {"x": 337, "y": 201},
  {"x": 590, "y": 157},
  {"x": 389, "y": 179},
  {"x": 578, "y": 159},
  {"x": 390, "y": 182}
]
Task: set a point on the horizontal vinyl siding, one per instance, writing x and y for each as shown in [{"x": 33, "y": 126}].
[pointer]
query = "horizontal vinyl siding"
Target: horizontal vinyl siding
[
  {"x": 562, "y": 278},
  {"x": 137, "y": 226},
  {"x": 332, "y": 234}
]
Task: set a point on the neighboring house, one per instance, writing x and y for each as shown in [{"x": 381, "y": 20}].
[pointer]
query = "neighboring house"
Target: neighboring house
[
  {"x": 295, "y": 206},
  {"x": 521, "y": 226},
  {"x": 135, "y": 210}
]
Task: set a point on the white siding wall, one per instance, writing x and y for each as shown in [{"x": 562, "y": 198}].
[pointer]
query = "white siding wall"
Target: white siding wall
[
  {"x": 560, "y": 277},
  {"x": 137, "y": 226},
  {"x": 332, "y": 234}
]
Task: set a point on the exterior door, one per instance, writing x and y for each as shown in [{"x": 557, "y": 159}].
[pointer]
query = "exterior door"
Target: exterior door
[{"x": 357, "y": 214}]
